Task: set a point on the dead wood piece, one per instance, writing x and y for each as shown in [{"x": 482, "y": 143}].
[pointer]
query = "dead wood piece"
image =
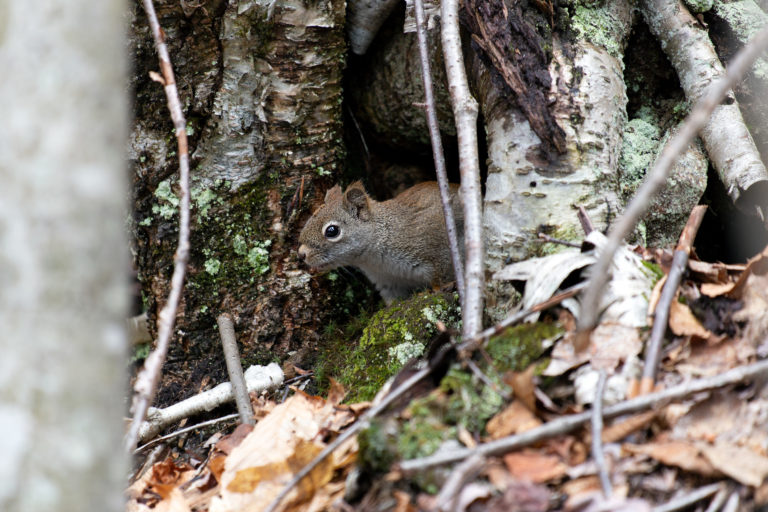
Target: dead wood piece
[
  {"x": 235, "y": 369},
  {"x": 496, "y": 30},
  {"x": 726, "y": 137},
  {"x": 598, "y": 453},
  {"x": 668, "y": 294}
]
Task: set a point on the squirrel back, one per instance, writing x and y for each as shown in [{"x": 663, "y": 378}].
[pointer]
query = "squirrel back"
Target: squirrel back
[{"x": 401, "y": 244}]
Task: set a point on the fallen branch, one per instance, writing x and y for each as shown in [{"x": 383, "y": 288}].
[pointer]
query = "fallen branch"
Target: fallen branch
[
  {"x": 726, "y": 137},
  {"x": 257, "y": 379},
  {"x": 437, "y": 149},
  {"x": 570, "y": 423},
  {"x": 598, "y": 453},
  {"x": 691, "y": 498},
  {"x": 656, "y": 178},
  {"x": 668, "y": 294},
  {"x": 235, "y": 369},
  {"x": 184, "y": 430},
  {"x": 146, "y": 382},
  {"x": 465, "y": 116}
]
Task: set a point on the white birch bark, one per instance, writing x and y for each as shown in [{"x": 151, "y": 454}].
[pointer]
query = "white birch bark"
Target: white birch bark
[{"x": 63, "y": 255}]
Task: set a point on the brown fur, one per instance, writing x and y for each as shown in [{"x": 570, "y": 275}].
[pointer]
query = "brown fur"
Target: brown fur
[{"x": 401, "y": 245}]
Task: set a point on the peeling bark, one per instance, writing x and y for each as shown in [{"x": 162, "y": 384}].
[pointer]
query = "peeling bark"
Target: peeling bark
[
  {"x": 526, "y": 193},
  {"x": 262, "y": 94}
]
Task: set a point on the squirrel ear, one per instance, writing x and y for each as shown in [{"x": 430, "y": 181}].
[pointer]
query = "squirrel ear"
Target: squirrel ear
[
  {"x": 333, "y": 193},
  {"x": 356, "y": 201}
]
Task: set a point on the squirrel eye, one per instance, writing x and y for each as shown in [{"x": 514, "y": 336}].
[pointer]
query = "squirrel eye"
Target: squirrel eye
[{"x": 332, "y": 231}]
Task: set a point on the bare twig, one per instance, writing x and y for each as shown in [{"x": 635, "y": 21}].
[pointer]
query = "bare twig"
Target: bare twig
[
  {"x": 717, "y": 502},
  {"x": 658, "y": 175},
  {"x": 570, "y": 423},
  {"x": 668, "y": 294},
  {"x": 546, "y": 238},
  {"x": 465, "y": 117},
  {"x": 732, "y": 505},
  {"x": 437, "y": 149},
  {"x": 147, "y": 380},
  {"x": 689, "y": 499},
  {"x": 461, "y": 474},
  {"x": 234, "y": 368},
  {"x": 597, "y": 436},
  {"x": 352, "y": 430},
  {"x": 184, "y": 430}
]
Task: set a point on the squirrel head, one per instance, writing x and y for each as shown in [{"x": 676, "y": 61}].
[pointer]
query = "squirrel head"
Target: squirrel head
[{"x": 339, "y": 231}]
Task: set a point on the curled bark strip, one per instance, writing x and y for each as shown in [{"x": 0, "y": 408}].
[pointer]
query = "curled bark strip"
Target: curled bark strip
[
  {"x": 514, "y": 51},
  {"x": 364, "y": 19},
  {"x": 149, "y": 377},
  {"x": 726, "y": 137}
]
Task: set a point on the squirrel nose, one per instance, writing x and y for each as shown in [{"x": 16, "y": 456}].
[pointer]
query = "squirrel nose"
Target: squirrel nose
[{"x": 302, "y": 252}]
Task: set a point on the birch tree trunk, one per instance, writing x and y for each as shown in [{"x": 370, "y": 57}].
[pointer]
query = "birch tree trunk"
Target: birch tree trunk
[
  {"x": 63, "y": 277},
  {"x": 260, "y": 83}
]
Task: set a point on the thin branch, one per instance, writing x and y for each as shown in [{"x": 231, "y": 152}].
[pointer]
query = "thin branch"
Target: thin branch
[
  {"x": 543, "y": 237},
  {"x": 691, "y": 498},
  {"x": 437, "y": 149},
  {"x": 184, "y": 430},
  {"x": 234, "y": 368},
  {"x": 668, "y": 294},
  {"x": 148, "y": 379},
  {"x": 657, "y": 177},
  {"x": 570, "y": 423},
  {"x": 459, "y": 477},
  {"x": 465, "y": 116},
  {"x": 597, "y": 436}
]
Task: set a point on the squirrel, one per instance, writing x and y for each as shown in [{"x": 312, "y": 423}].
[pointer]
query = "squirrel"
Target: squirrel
[{"x": 401, "y": 245}]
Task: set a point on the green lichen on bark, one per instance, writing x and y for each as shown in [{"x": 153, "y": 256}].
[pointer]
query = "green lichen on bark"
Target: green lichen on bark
[{"x": 599, "y": 26}]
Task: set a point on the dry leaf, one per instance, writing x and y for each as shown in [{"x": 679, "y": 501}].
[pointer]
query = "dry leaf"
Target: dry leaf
[
  {"x": 534, "y": 466},
  {"x": 515, "y": 418},
  {"x": 739, "y": 463},
  {"x": 523, "y": 386},
  {"x": 683, "y": 323},
  {"x": 675, "y": 453}
]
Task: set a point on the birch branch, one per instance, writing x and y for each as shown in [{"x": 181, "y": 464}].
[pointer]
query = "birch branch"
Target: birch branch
[
  {"x": 465, "y": 115},
  {"x": 656, "y": 178},
  {"x": 437, "y": 148},
  {"x": 726, "y": 138},
  {"x": 149, "y": 377}
]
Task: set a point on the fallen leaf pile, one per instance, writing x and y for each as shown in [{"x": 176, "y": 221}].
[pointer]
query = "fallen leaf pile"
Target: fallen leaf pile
[{"x": 718, "y": 322}]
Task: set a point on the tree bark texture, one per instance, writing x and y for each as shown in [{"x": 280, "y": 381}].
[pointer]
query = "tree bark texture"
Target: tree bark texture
[
  {"x": 261, "y": 85},
  {"x": 531, "y": 188},
  {"x": 63, "y": 298}
]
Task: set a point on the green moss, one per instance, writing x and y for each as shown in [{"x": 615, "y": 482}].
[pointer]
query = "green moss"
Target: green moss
[
  {"x": 393, "y": 335},
  {"x": 212, "y": 266},
  {"x": 598, "y": 26},
  {"x": 518, "y": 347}
]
